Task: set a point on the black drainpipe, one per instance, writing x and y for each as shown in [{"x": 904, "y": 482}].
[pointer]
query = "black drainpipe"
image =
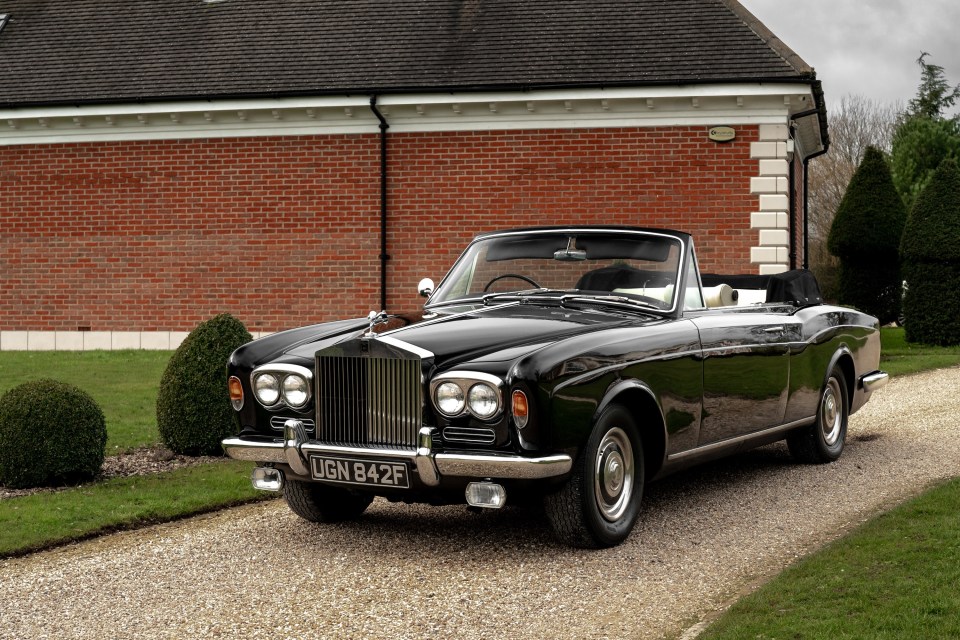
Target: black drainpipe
[
  {"x": 792, "y": 190},
  {"x": 806, "y": 197},
  {"x": 383, "y": 202}
]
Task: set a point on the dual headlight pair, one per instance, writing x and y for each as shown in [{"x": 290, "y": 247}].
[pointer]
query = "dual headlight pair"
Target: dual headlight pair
[
  {"x": 283, "y": 384},
  {"x": 475, "y": 393},
  {"x": 453, "y": 394}
]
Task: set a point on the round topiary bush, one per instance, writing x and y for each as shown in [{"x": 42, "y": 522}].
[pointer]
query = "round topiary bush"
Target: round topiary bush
[
  {"x": 193, "y": 405},
  {"x": 51, "y": 433}
]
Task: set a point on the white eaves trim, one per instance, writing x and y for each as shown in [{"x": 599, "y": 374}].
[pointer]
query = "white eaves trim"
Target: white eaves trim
[{"x": 693, "y": 105}]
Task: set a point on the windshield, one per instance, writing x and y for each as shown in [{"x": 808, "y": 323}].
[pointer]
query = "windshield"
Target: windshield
[{"x": 634, "y": 266}]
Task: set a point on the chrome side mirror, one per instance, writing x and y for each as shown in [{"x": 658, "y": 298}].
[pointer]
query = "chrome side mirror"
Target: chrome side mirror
[{"x": 425, "y": 288}]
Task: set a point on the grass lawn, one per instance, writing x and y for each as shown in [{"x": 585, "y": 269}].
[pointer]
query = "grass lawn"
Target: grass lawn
[
  {"x": 124, "y": 384},
  {"x": 43, "y": 520},
  {"x": 895, "y": 577},
  {"x": 898, "y": 357}
]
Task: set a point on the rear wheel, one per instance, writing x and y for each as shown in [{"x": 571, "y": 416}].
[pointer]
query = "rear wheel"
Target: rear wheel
[
  {"x": 823, "y": 441},
  {"x": 322, "y": 503},
  {"x": 599, "y": 504}
]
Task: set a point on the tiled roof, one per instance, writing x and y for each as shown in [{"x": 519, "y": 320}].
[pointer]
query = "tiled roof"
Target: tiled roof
[{"x": 89, "y": 51}]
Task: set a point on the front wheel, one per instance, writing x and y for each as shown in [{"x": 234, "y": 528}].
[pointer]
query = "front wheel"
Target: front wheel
[
  {"x": 322, "y": 503},
  {"x": 600, "y": 502},
  {"x": 823, "y": 441}
]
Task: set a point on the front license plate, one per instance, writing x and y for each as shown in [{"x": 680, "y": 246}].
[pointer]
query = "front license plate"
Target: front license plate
[{"x": 365, "y": 472}]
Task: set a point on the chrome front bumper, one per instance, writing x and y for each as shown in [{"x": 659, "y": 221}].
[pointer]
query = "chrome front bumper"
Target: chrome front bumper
[{"x": 295, "y": 450}]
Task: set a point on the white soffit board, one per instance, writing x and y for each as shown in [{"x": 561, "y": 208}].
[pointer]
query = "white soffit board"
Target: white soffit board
[{"x": 705, "y": 105}]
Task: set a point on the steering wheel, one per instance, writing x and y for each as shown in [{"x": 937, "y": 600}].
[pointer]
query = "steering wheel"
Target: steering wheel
[{"x": 512, "y": 275}]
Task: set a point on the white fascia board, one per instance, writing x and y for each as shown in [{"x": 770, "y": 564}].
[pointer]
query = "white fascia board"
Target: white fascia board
[
  {"x": 729, "y": 104},
  {"x": 192, "y": 106},
  {"x": 616, "y": 93}
]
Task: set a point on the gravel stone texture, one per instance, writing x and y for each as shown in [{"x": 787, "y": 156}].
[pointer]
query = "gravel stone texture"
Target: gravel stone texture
[{"x": 706, "y": 536}]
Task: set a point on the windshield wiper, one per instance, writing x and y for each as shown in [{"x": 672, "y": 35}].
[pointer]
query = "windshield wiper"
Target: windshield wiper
[
  {"x": 484, "y": 299},
  {"x": 518, "y": 295},
  {"x": 615, "y": 301},
  {"x": 454, "y": 302}
]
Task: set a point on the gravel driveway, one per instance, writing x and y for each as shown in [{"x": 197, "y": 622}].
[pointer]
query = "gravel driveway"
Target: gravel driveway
[{"x": 705, "y": 536}]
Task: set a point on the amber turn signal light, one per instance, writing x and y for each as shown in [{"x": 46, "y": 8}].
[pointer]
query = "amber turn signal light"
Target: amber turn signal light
[
  {"x": 236, "y": 392},
  {"x": 521, "y": 410}
]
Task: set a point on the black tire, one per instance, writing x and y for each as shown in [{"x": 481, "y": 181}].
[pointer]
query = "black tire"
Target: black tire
[
  {"x": 599, "y": 504},
  {"x": 823, "y": 441},
  {"x": 322, "y": 503}
]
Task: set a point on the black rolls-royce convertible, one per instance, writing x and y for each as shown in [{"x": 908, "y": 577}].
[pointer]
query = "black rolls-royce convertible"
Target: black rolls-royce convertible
[{"x": 571, "y": 364}]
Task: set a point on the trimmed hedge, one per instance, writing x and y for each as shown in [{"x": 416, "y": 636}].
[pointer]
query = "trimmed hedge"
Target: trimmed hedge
[
  {"x": 931, "y": 305},
  {"x": 51, "y": 434},
  {"x": 931, "y": 261},
  {"x": 193, "y": 404},
  {"x": 876, "y": 289},
  {"x": 865, "y": 236}
]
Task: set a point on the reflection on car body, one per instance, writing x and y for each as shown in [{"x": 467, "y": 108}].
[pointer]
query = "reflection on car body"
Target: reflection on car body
[{"x": 570, "y": 364}]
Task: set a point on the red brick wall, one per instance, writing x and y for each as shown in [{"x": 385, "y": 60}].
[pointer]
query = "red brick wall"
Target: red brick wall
[{"x": 284, "y": 231}]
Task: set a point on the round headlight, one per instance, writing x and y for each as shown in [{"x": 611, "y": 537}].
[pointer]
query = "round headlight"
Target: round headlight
[
  {"x": 296, "y": 391},
  {"x": 449, "y": 398},
  {"x": 483, "y": 400},
  {"x": 267, "y": 389}
]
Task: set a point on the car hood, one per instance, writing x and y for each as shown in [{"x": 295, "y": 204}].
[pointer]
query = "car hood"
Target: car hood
[{"x": 498, "y": 333}]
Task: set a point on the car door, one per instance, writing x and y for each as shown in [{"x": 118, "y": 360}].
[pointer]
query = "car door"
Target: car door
[{"x": 746, "y": 371}]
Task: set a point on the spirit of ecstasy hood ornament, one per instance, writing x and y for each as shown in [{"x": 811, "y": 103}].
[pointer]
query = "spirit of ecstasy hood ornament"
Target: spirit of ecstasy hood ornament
[{"x": 374, "y": 319}]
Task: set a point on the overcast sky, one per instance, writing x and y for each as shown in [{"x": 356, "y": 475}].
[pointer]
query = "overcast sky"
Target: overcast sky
[{"x": 867, "y": 47}]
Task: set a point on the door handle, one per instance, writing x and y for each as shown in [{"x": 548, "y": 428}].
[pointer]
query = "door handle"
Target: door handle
[{"x": 777, "y": 329}]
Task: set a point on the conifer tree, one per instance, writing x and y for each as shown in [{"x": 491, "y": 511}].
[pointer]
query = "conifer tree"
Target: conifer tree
[
  {"x": 865, "y": 236},
  {"x": 930, "y": 251}
]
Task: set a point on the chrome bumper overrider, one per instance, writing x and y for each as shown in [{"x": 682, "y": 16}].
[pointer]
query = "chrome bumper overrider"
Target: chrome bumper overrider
[
  {"x": 873, "y": 381},
  {"x": 295, "y": 450}
]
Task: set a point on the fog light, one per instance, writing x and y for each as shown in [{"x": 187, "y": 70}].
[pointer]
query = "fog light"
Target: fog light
[
  {"x": 267, "y": 479},
  {"x": 486, "y": 494}
]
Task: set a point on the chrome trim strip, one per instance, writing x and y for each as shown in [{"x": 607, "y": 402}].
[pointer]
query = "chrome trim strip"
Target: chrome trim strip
[
  {"x": 731, "y": 441},
  {"x": 277, "y": 422},
  {"x": 873, "y": 381},
  {"x": 470, "y": 435},
  {"x": 464, "y": 374},
  {"x": 285, "y": 368},
  {"x": 406, "y": 346}
]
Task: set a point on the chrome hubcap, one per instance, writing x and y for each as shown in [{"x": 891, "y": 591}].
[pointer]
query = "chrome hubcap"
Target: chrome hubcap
[
  {"x": 613, "y": 482},
  {"x": 831, "y": 413}
]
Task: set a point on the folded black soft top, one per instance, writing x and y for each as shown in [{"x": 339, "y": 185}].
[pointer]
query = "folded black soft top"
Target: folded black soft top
[{"x": 798, "y": 287}]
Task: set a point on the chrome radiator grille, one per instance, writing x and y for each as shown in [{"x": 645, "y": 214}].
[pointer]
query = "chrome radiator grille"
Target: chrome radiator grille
[{"x": 368, "y": 401}]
